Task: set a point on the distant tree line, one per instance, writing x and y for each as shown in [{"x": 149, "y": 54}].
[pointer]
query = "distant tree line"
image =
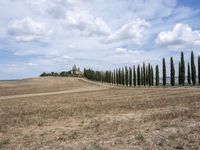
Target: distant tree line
[
  {"x": 55, "y": 74},
  {"x": 144, "y": 75}
]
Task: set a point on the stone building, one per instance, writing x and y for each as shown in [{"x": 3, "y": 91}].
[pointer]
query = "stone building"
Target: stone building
[{"x": 76, "y": 71}]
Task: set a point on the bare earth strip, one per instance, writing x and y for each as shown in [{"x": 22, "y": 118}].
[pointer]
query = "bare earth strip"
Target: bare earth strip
[
  {"x": 41, "y": 85},
  {"x": 87, "y": 89},
  {"x": 100, "y": 86}
]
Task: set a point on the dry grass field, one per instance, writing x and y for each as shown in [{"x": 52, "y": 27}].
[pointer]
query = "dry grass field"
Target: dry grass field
[{"x": 97, "y": 117}]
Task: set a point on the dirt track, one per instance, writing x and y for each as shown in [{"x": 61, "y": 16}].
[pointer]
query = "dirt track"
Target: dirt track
[
  {"x": 84, "y": 89},
  {"x": 52, "y": 93}
]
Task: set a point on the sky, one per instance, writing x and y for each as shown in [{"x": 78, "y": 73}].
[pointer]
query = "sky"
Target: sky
[{"x": 52, "y": 35}]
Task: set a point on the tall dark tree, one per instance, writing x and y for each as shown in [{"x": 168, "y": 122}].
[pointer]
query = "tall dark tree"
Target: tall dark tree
[
  {"x": 141, "y": 79},
  {"x": 123, "y": 77},
  {"x": 120, "y": 76},
  {"x": 164, "y": 72},
  {"x": 126, "y": 76},
  {"x": 199, "y": 69},
  {"x": 179, "y": 73},
  {"x": 114, "y": 77},
  {"x": 193, "y": 69},
  {"x": 172, "y": 72},
  {"x": 144, "y": 74},
  {"x": 149, "y": 74},
  {"x": 152, "y": 76},
  {"x": 138, "y": 75},
  {"x": 134, "y": 76},
  {"x": 130, "y": 76},
  {"x": 111, "y": 76},
  {"x": 157, "y": 76},
  {"x": 182, "y": 69},
  {"x": 189, "y": 75}
]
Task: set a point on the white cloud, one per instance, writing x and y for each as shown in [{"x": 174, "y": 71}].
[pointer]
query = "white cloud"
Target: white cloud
[
  {"x": 27, "y": 30},
  {"x": 25, "y": 52},
  {"x": 127, "y": 56},
  {"x": 182, "y": 36},
  {"x": 52, "y": 8},
  {"x": 86, "y": 24},
  {"x": 120, "y": 50},
  {"x": 133, "y": 30},
  {"x": 31, "y": 64}
]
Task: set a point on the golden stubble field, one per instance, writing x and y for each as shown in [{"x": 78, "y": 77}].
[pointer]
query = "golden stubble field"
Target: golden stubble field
[{"x": 95, "y": 116}]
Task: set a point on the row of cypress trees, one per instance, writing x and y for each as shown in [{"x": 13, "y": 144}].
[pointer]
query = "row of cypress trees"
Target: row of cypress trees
[{"x": 144, "y": 74}]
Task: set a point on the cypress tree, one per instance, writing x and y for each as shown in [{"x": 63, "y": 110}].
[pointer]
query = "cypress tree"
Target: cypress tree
[
  {"x": 101, "y": 76},
  {"x": 172, "y": 72},
  {"x": 114, "y": 73},
  {"x": 116, "y": 76},
  {"x": 123, "y": 77},
  {"x": 149, "y": 74},
  {"x": 127, "y": 81},
  {"x": 120, "y": 77},
  {"x": 138, "y": 75},
  {"x": 152, "y": 76},
  {"x": 189, "y": 75},
  {"x": 107, "y": 76},
  {"x": 112, "y": 78},
  {"x": 199, "y": 69},
  {"x": 164, "y": 72},
  {"x": 157, "y": 76},
  {"x": 182, "y": 69},
  {"x": 130, "y": 76},
  {"x": 134, "y": 76},
  {"x": 179, "y": 73},
  {"x": 144, "y": 74},
  {"x": 141, "y": 76},
  {"x": 193, "y": 69}
]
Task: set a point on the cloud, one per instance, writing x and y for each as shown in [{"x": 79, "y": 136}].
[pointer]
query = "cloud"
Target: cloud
[
  {"x": 53, "y": 8},
  {"x": 133, "y": 31},
  {"x": 181, "y": 36},
  {"x": 120, "y": 50},
  {"x": 151, "y": 9},
  {"x": 86, "y": 24},
  {"x": 72, "y": 15},
  {"x": 27, "y": 30},
  {"x": 25, "y": 52},
  {"x": 127, "y": 56}
]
